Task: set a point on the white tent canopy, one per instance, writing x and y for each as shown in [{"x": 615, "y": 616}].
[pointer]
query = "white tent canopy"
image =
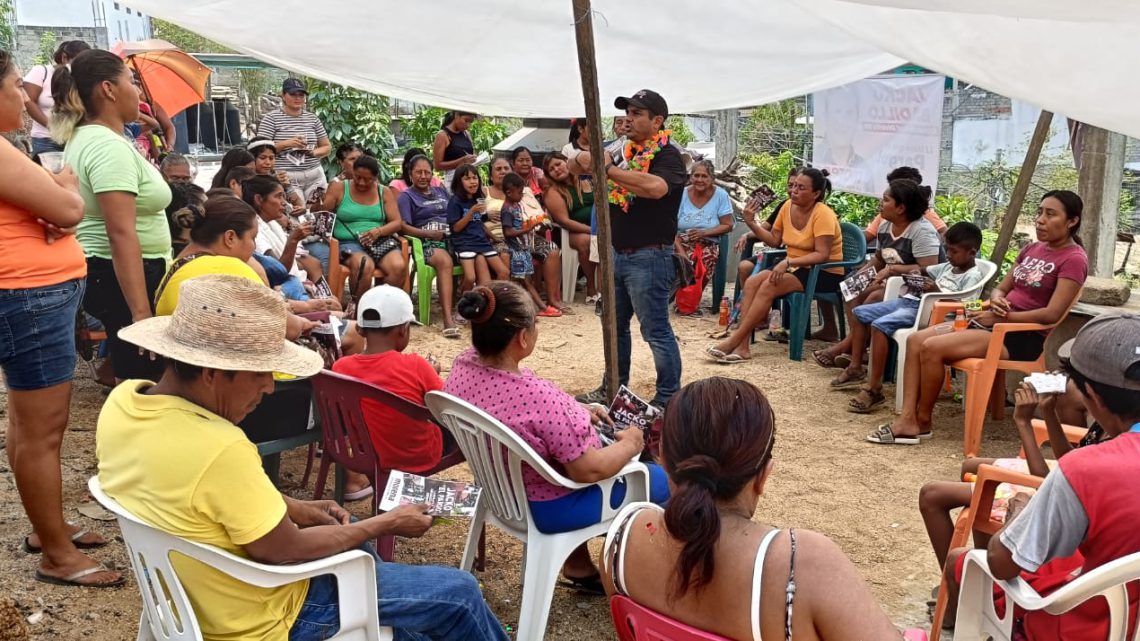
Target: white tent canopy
[{"x": 519, "y": 59}]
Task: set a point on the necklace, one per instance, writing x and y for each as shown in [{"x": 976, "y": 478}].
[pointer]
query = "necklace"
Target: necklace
[{"x": 638, "y": 158}]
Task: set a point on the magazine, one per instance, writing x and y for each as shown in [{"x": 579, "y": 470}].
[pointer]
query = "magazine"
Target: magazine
[
  {"x": 915, "y": 283},
  {"x": 628, "y": 410},
  {"x": 856, "y": 283},
  {"x": 444, "y": 498}
]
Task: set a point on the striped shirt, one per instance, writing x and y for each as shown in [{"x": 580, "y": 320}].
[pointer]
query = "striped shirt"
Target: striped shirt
[{"x": 278, "y": 125}]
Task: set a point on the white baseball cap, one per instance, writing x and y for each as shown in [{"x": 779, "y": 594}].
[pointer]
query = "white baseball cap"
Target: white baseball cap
[{"x": 385, "y": 306}]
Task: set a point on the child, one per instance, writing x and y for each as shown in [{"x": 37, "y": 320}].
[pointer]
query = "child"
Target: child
[
  {"x": 526, "y": 246},
  {"x": 384, "y": 318},
  {"x": 469, "y": 238},
  {"x": 959, "y": 273}
]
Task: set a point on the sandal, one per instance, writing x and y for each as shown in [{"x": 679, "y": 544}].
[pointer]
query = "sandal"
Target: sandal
[
  {"x": 451, "y": 332},
  {"x": 843, "y": 360},
  {"x": 359, "y": 494},
  {"x": 35, "y": 549},
  {"x": 823, "y": 359},
  {"x": 550, "y": 312},
  {"x": 591, "y": 585},
  {"x": 73, "y": 580},
  {"x": 884, "y": 436},
  {"x": 590, "y": 300},
  {"x": 733, "y": 359},
  {"x": 715, "y": 353},
  {"x": 720, "y": 334},
  {"x": 847, "y": 380},
  {"x": 866, "y": 401}
]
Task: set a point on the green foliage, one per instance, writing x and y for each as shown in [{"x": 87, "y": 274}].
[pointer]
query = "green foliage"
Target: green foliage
[
  {"x": 954, "y": 209},
  {"x": 46, "y": 51},
  {"x": 353, "y": 115},
  {"x": 486, "y": 132},
  {"x": 989, "y": 239},
  {"x": 185, "y": 39},
  {"x": 854, "y": 208},
  {"x": 773, "y": 129},
  {"x": 7, "y": 28},
  {"x": 682, "y": 135},
  {"x": 771, "y": 170}
]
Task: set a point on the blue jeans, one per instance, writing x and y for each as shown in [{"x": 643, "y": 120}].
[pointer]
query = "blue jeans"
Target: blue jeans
[
  {"x": 643, "y": 280},
  {"x": 37, "y": 334},
  {"x": 420, "y": 602},
  {"x": 888, "y": 316},
  {"x": 40, "y": 145},
  {"x": 583, "y": 508},
  {"x": 278, "y": 276}
]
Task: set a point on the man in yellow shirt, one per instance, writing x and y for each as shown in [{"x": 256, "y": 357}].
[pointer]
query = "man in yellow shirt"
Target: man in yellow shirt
[{"x": 170, "y": 452}]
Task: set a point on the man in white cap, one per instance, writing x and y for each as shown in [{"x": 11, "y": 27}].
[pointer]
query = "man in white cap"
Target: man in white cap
[
  {"x": 1088, "y": 503},
  {"x": 171, "y": 453}
]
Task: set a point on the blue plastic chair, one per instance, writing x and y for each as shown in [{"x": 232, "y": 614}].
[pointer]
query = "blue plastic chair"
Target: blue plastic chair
[{"x": 799, "y": 303}]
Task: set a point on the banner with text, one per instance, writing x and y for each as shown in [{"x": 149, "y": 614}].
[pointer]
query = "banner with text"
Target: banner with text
[{"x": 865, "y": 129}]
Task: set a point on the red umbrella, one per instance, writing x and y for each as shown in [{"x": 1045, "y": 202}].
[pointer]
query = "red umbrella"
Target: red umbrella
[{"x": 171, "y": 78}]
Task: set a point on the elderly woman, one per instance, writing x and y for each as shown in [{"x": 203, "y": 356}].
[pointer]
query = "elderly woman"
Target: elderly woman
[
  {"x": 401, "y": 184},
  {"x": 522, "y": 163},
  {"x": 561, "y": 431},
  {"x": 346, "y": 156},
  {"x": 696, "y": 559},
  {"x": 570, "y": 202},
  {"x": 705, "y": 215},
  {"x": 41, "y": 285},
  {"x": 423, "y": 210},
  {"x": 264, "y": 153}
]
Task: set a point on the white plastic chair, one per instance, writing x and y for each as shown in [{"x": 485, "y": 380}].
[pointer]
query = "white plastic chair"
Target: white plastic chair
[
  {"x": 569, "y": 268},
  {"x": 167, "y": 613},
  {"x": 496, "y": 456},
  {"x": 978, "y": 620},
  {"x": 925, "y": 305}
]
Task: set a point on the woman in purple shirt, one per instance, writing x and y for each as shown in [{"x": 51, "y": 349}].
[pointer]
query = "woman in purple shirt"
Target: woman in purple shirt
[{"x": 424, "y": 210}]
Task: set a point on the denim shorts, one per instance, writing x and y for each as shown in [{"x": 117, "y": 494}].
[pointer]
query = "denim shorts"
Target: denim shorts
[
  {"x": 583, "y": 508},
  {"x": 888, "y": 316},
  {"x": 320, "y": 251},
  {"x": 37, "y": 334}
]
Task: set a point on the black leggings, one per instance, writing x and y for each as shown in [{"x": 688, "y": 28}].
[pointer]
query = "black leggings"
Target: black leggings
[{"x": 104, "y": 300}]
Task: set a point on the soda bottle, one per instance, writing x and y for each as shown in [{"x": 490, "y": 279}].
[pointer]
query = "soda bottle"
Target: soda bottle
[
  {"x": 960, "y": 319},
  {"x": 775, "y": 320},
  {"x": 723, "y": 321}
]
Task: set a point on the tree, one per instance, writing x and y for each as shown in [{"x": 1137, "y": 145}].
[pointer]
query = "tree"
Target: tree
[
  {"x": 47, "y": 49},
  {"x": 486, "y": 132},
  {"x": 352, "y": 115},
  {"x": 7, "y": 29}
]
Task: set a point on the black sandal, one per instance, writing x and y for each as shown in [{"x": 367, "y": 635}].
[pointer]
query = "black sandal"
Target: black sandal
[
  {"x": 866, "y": 401},
  {"x": 591, "y": 585}
]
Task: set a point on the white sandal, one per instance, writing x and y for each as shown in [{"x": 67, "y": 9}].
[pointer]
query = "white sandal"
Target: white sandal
[{"x": 884, "y": 436}]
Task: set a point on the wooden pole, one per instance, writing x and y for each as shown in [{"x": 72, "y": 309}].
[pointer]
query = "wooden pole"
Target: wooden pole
[
  {"x": 1017, "y": 198},
  {"x": 588, "y": 67}
]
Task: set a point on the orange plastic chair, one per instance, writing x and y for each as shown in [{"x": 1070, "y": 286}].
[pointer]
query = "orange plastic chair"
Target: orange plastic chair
[{"x": 983, "y": 386}]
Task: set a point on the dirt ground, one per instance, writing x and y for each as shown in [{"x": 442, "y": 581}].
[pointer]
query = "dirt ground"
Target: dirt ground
[{"x": 827, "y": 479}]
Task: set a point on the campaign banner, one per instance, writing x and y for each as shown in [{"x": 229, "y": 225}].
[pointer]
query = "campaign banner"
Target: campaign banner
[{"x": 865, "y": 129}]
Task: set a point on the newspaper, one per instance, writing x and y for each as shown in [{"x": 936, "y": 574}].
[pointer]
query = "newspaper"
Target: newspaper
[
  {"x": 444, "y": 498},
  {"x": 854, "y": 284},
  {"x": 628, "y": 410}
]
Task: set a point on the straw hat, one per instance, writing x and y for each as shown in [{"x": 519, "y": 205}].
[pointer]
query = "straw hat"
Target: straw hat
[{"x": 228, "y": 323}]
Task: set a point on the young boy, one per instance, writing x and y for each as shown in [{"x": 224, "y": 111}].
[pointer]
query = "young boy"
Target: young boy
[
  {"x": 384, "y": 318},
  {"x": 959, "y": 273},
  {"x": 525, "y": 245}
]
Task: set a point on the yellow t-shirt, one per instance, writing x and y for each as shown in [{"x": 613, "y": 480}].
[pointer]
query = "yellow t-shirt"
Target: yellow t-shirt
[
  {"x": 193, "y": 474},
  {"x": 801, "y": 242},
  {"x": 167, "y": 298}
]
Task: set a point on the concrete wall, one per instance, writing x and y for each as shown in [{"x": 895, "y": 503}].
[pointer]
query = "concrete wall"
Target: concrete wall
[
  {"x": 117, "y": 20},
  {"x": 28, "y": 40}
]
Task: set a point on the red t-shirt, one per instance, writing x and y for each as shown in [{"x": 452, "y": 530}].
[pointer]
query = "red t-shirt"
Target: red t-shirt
[
  {"x": 1037, "y": 269},
  {"x": 401, "y": 444}
]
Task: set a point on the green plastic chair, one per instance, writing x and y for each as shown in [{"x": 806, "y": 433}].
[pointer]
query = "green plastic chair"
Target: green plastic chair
[
  {"x": 425, "y": 274},
  {"x": 854, "y": 255}
]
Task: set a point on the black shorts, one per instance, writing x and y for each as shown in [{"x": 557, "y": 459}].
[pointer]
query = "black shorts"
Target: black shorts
[
  {"x": 827, "y": 283},
  {"x": 104, "y": 300},
  {"x": 1024, "y": 346}
]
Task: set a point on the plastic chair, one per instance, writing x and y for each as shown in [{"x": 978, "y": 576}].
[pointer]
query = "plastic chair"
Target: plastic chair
[
  {"x": 799, "y": 303},
  {"x": 425, "y": 274},
  {"x": 978, "y": 618},
  {"x": 635, "y": 622},
  {"x": 983, "y": 386},
  {"x": 720, "y": 274},
  {"x": 925, "y": 306},
  {"x": 569, "y": 268},
  {"x": 496, "y": 456},
  {"x": 167, "y": 612},
  {"x": 346, "y": 441}
]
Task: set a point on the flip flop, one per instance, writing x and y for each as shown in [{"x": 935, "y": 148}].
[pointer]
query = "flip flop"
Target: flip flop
[
  {"x": 591, "y": 585},
  {"x": 847, "y": 380},
  {"x": 550, "y": 312},
  {"x": 359, "y": 494},
  {"x": 884, "y": 436},
  {"x": 451, "y": 332},
  {"x": 732, "y": 359},
  {"x": 73, "y": 579},
  {"x": 865, "y": 402},
  {"x": 823, "y": 359},
  {"x": 843, "y": 360},
  {"x": 715, "y": 353},
  {"x": 35, "y": 549}
]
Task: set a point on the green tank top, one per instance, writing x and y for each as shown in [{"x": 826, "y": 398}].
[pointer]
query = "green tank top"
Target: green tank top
[
  {"x": 353, "y": 219},
  {"x": 582, "y": 200}
]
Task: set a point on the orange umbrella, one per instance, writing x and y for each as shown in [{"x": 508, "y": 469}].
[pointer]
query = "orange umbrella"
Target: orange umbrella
[{"x": 171, "y": 78}]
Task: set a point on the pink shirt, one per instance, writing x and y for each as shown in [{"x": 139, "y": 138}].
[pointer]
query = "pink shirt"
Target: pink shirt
[
  {"x": 548, "y": 419},
  {"x": 1037, "y": 269}
]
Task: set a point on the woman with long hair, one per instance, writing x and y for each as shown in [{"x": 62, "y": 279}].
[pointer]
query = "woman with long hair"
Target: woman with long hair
[
  {"x": 41, "y": 285},
  {"x": 423, "y": 209},
  {"x": 522, "y": 163},
  {"x": 264, "y": 152},
  {"x": 401, "y": 182},
  {"x": 570, "y": 202},
  {"x": 234, "y": 158},
  {"x": 39, "y": 103}
]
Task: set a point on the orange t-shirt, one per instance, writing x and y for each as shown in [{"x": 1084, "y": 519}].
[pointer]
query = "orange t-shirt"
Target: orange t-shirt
[
  {"x": 801, "y": 242},
  {"x": 27, "y": 260}
]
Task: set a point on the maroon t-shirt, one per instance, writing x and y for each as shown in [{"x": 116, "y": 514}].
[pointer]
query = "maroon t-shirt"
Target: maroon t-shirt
[{"x": 1037, "y": 269}]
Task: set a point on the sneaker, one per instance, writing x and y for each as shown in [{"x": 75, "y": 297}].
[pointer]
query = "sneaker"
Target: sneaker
[
  {"x": 599, "y": 396},
  {"x": 590, "y": 300}
]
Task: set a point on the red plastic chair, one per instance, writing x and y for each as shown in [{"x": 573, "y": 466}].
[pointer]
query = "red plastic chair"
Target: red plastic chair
[
  {"x": 635, "y": 622},
  {"x": 346, "y": 442}
]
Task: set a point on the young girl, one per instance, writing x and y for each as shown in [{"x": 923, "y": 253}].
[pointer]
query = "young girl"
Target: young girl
[
  {"x": 469, "y": 239},
  {"x": 526, "y": 246}
]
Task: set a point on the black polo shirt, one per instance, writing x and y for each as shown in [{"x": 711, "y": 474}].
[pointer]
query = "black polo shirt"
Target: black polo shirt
[{"x": 652, "y": 221}]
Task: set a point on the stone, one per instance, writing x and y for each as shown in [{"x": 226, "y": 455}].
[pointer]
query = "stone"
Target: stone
[
  {"x": 12, "y": 626},
  {"x": 1105, "y": 291}
]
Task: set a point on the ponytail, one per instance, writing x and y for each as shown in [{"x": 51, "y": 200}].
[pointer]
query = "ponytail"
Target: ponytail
[
  {"x": 68, "y": 111},
  {"x": 73, "y": 90},
  {"x": 448, "y": 118}
]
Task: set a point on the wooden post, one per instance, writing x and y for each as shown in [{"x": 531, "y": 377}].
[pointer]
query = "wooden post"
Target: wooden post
[
  {"x": 1101, "y": 173},
  {"x": 1017, "y": 198},
  {"x": 726, "y": 144},
  {"x": 588, "y": 66}
]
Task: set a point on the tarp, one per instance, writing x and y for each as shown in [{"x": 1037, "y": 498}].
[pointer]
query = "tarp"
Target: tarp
[{"x": 512, "y": 58}]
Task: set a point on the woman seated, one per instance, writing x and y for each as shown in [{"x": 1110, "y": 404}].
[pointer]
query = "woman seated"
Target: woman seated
[
  {"x": 264, "y": 153},
  {"x": 561, "y": 431},
  {"x": 367, "y": 220},
  {"x": 522, "y": 163},
  {"x": 234, "y": 158},
  {"x": 401, "y": 184},
  {"x": 569, "y": 200},
  {"x": 811, "y": 231},
  {"x": 694, "y": 560},
  {"x": 346, "y": 157},
  {"x": 705, "y": 216},
  {"x": 423, "y": 211},
  {"x": 1045, "y": 280}
]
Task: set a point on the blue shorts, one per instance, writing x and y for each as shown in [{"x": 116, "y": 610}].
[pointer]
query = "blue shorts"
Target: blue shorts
[
  {"x": 582, "y": 508},
  {"x": 320, "y": 251},
  {"x": 888, "y": 316},
  {"x": 522, "y": 263},
  {"x": 37, "y": 334}
]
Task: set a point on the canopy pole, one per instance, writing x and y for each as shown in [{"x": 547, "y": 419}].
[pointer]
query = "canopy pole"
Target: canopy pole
[
  {"x": 1017, "y": 198},
  {"x": 588, "y": 67}
]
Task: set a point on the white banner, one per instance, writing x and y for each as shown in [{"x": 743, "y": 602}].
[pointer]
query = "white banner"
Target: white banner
[{"x": 865, "y": 129}]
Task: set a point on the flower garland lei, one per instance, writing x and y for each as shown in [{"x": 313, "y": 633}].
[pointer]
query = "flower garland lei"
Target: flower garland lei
[{"x": 637, "y": 159}]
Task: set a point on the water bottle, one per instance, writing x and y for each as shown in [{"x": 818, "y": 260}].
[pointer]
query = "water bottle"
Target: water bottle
[
  {"x": 960, "y": 319},
  {"x": 775, "y": 320},
  {"x": 723, "y": 321}
]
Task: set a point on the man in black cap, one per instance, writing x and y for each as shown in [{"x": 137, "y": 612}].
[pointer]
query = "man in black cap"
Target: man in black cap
[
  {"x": 646, "y": 186},
  {"x": 300, "y": 138}
]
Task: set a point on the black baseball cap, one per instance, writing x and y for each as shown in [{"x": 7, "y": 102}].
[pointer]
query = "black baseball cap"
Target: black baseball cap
[
  {"x": 293, "y": 85},
  {"x": 645, "y": 99}
]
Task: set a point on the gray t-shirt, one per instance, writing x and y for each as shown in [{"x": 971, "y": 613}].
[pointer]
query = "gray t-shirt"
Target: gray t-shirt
[
  {"x": 948, "y": 280},
  {"x": 1052, "y": 525},
  {"x": 918, "y": 240}
]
